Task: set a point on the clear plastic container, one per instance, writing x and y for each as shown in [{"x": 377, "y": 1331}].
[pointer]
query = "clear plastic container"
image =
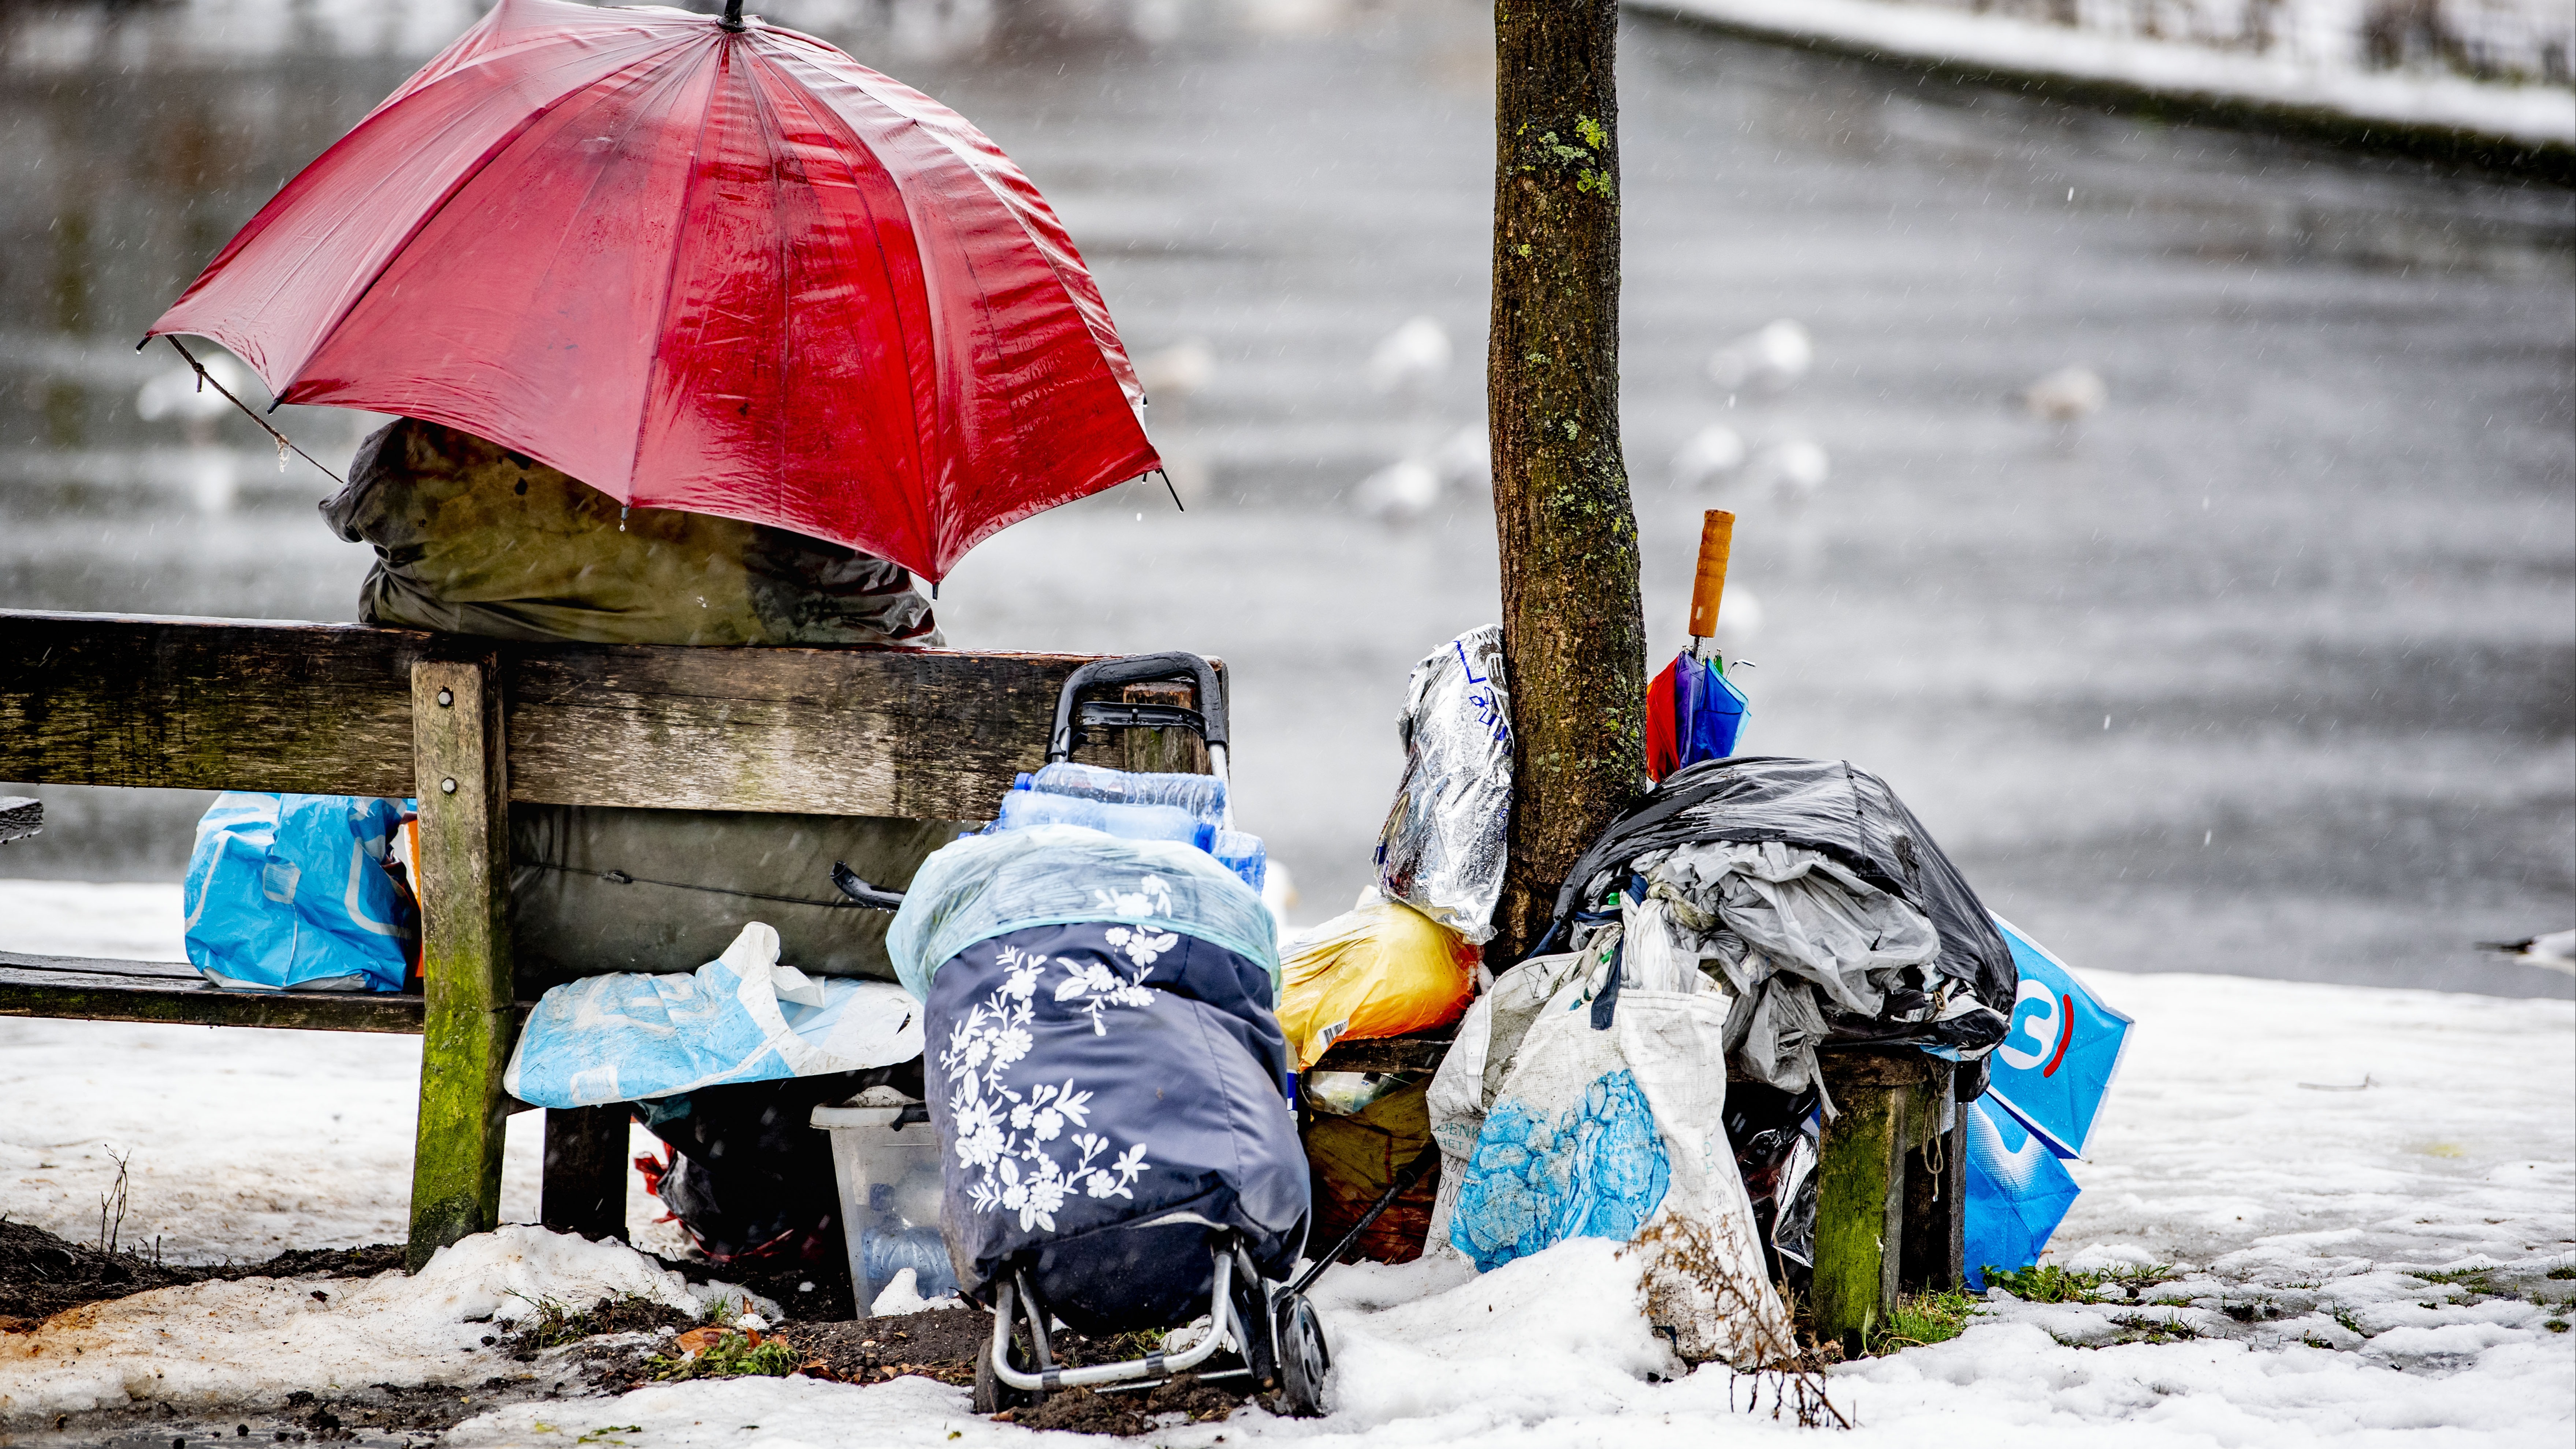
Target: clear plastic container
[{"x": 888, "y": 1172}]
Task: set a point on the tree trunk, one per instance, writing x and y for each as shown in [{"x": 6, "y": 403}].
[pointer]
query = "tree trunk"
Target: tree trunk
[{"x": 1574, "y": 639}]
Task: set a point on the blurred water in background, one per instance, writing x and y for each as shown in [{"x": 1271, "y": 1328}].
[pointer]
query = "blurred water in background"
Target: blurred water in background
[{"x": 2248, "y": 645}]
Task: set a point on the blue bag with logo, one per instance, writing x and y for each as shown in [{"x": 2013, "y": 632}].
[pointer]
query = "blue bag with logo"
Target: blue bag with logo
[
  {"x": 2056, "y": 1063},
  {"x": 291, "y": 892}
]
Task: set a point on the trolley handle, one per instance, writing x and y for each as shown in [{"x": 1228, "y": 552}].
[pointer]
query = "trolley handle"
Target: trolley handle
[{"x": 1138, "y": 669}]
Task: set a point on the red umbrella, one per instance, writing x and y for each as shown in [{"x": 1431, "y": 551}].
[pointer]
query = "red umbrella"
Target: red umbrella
[{"x": 700, "y": 264}]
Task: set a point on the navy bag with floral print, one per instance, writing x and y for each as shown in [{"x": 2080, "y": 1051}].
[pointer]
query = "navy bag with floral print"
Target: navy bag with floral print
[{"x": 1103, "y": 1070}]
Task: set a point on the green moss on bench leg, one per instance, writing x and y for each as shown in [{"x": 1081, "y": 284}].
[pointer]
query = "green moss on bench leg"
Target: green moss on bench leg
[
  {"x": 463, "y": 778},
  {"x": 1860, "y": 1205}
]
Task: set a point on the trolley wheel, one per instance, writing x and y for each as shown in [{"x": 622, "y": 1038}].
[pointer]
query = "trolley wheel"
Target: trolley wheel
[
  {"x": 992, "y": 1395},
  {"x": 1303, "y": 1358}
]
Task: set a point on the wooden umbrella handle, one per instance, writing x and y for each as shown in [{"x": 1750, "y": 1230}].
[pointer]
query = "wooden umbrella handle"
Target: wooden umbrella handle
[{"x": 1716, "y": 542}]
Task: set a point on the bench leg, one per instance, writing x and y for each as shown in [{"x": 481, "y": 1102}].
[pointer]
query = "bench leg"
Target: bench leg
[
  {"x": 1936, "y": 1193},
  {"x": 462, "y": 776},
  {"x": 1860, "y": 1211},
  {"x": 585, "y": 1185}
]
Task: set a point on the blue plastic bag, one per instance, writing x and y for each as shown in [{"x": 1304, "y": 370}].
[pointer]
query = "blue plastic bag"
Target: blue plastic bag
[
  {"x": 290, "y": 891},
  {"x": 2054, "y": 1066},
  {"x": 2018, "y": 1192}
]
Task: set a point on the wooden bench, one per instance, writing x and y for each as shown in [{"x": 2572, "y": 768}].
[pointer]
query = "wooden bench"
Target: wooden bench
[{"x": 469, "y": 726}]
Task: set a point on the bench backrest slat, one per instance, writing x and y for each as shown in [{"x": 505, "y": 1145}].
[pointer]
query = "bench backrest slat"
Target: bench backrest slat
[{"x": 103, "y": 699}]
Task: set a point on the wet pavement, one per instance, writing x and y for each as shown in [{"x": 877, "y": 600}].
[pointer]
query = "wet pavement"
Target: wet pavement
[{"x": 2266, "y": 667}]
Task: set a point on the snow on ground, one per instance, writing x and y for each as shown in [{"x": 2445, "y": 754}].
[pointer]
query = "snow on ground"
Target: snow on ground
[
  {"x": 2290, "y": 1149},
  {"x": 2533, "y": 113},
  {"x": 262, "y": 1338},
  {"x": 237, "y": 1143}
]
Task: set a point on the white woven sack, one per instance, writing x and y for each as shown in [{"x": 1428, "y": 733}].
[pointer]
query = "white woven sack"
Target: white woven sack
[{"x": 1615, "y": 1133}]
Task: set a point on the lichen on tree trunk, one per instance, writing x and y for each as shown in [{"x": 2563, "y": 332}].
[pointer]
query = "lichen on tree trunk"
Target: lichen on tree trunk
[{"x": 1573, "y": 634}]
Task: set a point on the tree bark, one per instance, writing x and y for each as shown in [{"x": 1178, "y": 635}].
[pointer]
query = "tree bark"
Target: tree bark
[{"x": 1574, "y": 639}]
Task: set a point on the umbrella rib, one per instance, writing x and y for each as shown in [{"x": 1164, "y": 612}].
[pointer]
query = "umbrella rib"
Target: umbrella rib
[
  {"x": 670, "y": 285},
  {"x": 772, "y": 139},
  {"x": 911, "y": 501}
]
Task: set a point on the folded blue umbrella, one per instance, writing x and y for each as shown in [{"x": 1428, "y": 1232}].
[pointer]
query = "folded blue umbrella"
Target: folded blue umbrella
[
  {"x": 2056, "y": 1063},
  {"x": 2018, "y": 1192},
  {"x": 1694, "y": 713}
]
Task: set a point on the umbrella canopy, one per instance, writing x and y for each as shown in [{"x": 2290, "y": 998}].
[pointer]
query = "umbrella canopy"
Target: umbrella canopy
[{"x": 725, "y": 270}]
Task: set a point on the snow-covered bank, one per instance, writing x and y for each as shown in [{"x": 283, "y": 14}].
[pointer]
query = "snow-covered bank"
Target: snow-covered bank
[
  {"x": 263, "y": 1338},
  {"x": 2535, "y": 114},
  {"x": 1551, "y": 1352}
]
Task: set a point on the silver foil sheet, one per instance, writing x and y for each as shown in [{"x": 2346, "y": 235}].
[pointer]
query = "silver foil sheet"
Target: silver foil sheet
[{"x": 1443, "y": 847}]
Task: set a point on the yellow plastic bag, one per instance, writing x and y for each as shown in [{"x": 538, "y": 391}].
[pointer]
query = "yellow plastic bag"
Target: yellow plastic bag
[{"x": 1379, "y": 969}]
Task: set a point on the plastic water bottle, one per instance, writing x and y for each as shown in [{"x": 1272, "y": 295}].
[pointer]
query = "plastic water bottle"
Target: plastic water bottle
[
  {"x": 1239, "y": 852},
  {"x": 1022, "y": 809},
  {"x": 1203, "y": 796},
  {"x": 1134, "y": 806}
]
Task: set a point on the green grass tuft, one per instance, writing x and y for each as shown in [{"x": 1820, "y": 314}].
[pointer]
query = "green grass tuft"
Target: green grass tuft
[
  {"x": 2047, "y": 1283},
  {"x": 1923, "y": 1318}
]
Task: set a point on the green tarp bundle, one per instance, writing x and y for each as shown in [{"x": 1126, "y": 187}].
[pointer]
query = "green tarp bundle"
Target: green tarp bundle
[{"x": 472, "y": 538}]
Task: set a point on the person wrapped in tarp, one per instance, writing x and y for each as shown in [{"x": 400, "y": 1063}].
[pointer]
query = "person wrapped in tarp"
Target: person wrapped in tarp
[
  {"x": 1103, "y": 1069},
  {"x": 473, "y": 538}
]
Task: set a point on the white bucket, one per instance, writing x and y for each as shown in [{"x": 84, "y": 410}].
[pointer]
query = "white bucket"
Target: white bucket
[{"x": 888, "y": 1172}]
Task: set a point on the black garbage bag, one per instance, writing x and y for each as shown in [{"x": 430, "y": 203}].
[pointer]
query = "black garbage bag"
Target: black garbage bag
[{"x": 1850, "y": 815}]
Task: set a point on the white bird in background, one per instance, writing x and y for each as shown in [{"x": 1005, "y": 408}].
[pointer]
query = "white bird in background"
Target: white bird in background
[
  {"x": 1791, "y": 471},
  {"x": 176, "y": 394},
  {"x": 1405, "y": 490},
  {"x": 1766, "y": 360},
  {"x": 1708, "y": 455},
  {"x": 2068, "y": 395},
  {"x": 207, "y": 471},
  {"x": 1738, "y": 621},
  {"x": 2553, "y": 952},
  {"x": 1178, "y": 371},
  {"x": 1465, "y": 459},
  {"x": 1399, "y": 492},
  {"x": 1411, "y": 358}
]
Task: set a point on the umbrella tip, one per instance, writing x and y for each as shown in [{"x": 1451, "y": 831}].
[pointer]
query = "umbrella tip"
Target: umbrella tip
[{"x": 732, "y": 15}]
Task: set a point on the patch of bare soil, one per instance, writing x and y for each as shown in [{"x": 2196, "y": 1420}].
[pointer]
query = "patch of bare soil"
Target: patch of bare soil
[
  {"x": 42, "y": 1275},
  {"x": 1083, "y": 1411},
  {"x": 380, "y": 1417},
  {"x": 938, "y": 1344}
]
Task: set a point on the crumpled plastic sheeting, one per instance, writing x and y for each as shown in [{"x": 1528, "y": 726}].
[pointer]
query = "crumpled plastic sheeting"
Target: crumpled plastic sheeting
[
  {"x": 1950, "y": 1003},
  {"x": 1801, "y": 911},
  {"x": 743, "y": 1017},
  {"x": 1445, "y": 841},
  {"x": 989, "y": 885}
]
